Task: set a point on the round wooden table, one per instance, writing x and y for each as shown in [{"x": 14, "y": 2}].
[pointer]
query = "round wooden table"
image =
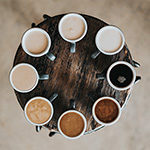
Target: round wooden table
[{"x": 73, "y": 75}]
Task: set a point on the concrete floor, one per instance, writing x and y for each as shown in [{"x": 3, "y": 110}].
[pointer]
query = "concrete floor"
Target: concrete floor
[{"x": 132, "y": 132}]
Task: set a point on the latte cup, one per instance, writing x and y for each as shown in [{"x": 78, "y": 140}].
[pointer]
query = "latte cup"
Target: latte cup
[
  {"x": 49, "y": 112},
  {"x": 83, "y": 130},
  {"x": 68, "y": 121},
  {"x": 103, "y": 37},
  {"x": 46, "y": 50},
  {"x": 20, "y": 77},
  {"x": 108, "y": 110},
  {"x": 72, "y": 41}
]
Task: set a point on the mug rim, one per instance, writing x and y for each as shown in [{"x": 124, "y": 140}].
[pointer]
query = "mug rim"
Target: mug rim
[
  {"x": 24, "y": 38},
  {"x": 42, "y": 98},
  {"x": 104, "y": 28},
  {"x": 10, "y": 77},
  {"x": 133, "y": 72},
  {"x": 60, "y": 30},
  {"x": 84, "y": 120},
  {"x": 101, "y": 122}
]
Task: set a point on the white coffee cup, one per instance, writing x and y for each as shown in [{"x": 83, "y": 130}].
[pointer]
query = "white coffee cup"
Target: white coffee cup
[
  {"x": 99, "y": 121},
  {"x": 73, "y": 42},
  {"x": 131, "y": 68},
  {"x": 42, "y": 98},
  {"x": 38, "y": 77},
  {"x": 100, "y": 50},
  {"x": 46, "y": 52},
  {"x": 81, "y": 115}
]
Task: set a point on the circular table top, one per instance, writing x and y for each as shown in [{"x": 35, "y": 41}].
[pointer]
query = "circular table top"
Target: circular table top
[{"x": 72, "y": 75}]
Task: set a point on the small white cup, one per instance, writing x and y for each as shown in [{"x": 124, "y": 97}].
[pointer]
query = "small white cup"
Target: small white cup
[
  {"x": 81, "y": 115},
  {"x": 133, "y": 72},
  {"x": 103, "y": 123},
  {"x": 38, "y": 77},
  {"x": 73, "y": 42},
  {"x": 42, "y": 98},
  {"x": 95, "y": 54},
  {"x": 46, "y": 52}
]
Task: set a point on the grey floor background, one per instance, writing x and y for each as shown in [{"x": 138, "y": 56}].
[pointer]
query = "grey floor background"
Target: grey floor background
[{"x": 132, "y": 132}]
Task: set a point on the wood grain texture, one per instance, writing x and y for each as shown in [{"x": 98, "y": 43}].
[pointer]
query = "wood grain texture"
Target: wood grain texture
[{"x": 72, "y": 76}]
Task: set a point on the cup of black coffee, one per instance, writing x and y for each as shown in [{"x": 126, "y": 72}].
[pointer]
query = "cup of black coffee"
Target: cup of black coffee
[
  {"x": 106, "y": 111},
  {"x": 121, "y": 75}
]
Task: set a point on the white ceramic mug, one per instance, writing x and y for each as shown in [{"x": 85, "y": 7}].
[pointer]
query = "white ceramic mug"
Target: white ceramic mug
[
  {"x": 81, "y": 115},
  {"x": 100, "y": 50},
  {"x": 38, "y": 77},
  {"x": 131, "y": 68},
  {"x": 53, "y": 97},
  {"x": 46, "y": 52},
  {"x": 73, "y": 42},
  {"x": 99, "y": 121}
]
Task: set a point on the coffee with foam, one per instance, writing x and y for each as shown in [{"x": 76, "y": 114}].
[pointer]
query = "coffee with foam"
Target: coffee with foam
[
  {"x": 72, "y": 27},
  {"x": 38, "y": 111},
  {"x": 110, "y": 40}
]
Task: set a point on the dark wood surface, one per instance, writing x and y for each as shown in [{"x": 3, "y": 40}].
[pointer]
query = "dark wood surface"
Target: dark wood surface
[{"x": 72, "y": 76}]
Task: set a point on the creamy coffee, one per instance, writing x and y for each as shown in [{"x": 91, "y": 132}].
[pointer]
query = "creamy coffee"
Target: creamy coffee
[
  {"x": 72, "y": 124},
  {"x": 36, "y": 42},
  {"x": 38, "y": 111},
  {"x": 72, "y": 27},
  {"x": 24, "y": 77},
  {"x": 110, "y": 40}
]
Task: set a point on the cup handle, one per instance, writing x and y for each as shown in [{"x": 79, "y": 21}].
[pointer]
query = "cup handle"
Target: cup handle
[
  {"x": 53, "y": 97},
  {"x": 51, "y": 56},
  {"x": 138, "y": 78},
  {"x": 38, "y": 128},
  {"x": 95, "y": 54},
  {"x": 100, "y": 76},
  {"x": 52, "y": 133},
  {"x": 44, "y": 77},
  {"x": 72, "y": 104},
  {"x": 135, "y": 64},
  {"x": 73, "y": 47}
]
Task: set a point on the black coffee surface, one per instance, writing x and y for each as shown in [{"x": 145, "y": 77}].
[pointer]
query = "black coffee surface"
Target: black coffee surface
[{"x": 121, "y": 75}]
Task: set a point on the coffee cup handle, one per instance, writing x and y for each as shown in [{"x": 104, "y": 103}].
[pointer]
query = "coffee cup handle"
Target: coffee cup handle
[
  {"x": 101, "y": 76},
  {"x": 53, "y": 97},
  {"x": 51, "y": 56},
  {"x": 44, "y": 77},
  {"x": 38, "y": 128},
  {"x": 73, "y": 47},
  {"x": 138, "y": 78},
  {"x": 95, "y": 54},
  {"x": 72, "y": 104},
  {"x": 135, "y": 64}
]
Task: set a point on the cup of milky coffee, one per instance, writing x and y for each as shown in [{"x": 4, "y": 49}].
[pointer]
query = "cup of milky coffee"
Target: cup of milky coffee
[
  {"x": 106, "y": 111},
  {"x": 72, "y": 28},
  {"x": 121, "y": 75},
  {"x": 109, "y": 41},
  {"x": 36, "y": 42},
  {"x": 72, "y": 124},
  {"x": 38, "y": 111},
  {"x": 24, "y": 77}
]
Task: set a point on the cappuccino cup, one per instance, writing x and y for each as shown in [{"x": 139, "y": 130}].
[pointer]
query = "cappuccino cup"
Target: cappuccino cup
[
  {"x": 109, "y": 40},
  {"x": 24, "y": 77},
  {"x": 39, "y": 110},
  {"x": 72, "y": 28},
  {"x": 36, "y": 42},
  {"x": 106, "y": 111},
  {"x": 72, "y": 123}
]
